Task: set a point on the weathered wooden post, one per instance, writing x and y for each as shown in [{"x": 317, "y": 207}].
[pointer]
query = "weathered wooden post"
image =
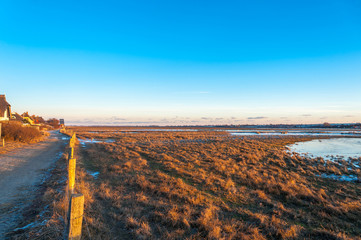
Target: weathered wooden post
[
  {"x": 75, "y": 217},
  {"x": 71, "y": 152},
  {"x": 72, "y": 141},
  {"x": 71, "y": 175}
]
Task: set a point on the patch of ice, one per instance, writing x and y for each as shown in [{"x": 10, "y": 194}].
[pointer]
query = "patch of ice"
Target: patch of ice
[
  {"x": 25, "y": 227},
  {"x": 87, "y": 140},
  {"x": 93, "y": 174},
  {"x": 344, "y": 178}
]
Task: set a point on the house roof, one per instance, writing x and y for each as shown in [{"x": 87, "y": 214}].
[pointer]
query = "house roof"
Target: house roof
[
  {"x": 38, "y": 119},
  {"x": 26, "y": 114},
  {"x": 17, "y": 117},
  {"x": 4, "y": 105}
]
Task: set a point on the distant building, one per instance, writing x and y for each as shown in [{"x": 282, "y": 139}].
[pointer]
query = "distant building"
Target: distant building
[
  {"x": 30, "y": 120},
  {"x": 38, "y": 119},
  {"x": 16, "y": 117},
  {"x": 26, "y": 114},
  {"x": 5, "y": 109}
]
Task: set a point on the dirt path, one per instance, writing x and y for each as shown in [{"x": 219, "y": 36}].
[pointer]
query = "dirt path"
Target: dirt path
[{"x": 20, "y": 172}]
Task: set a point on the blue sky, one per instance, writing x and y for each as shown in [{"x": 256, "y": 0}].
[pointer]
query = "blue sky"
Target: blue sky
[{"x": 183, "y": 62}]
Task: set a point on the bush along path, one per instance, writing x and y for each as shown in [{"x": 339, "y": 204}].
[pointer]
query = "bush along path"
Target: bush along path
[{"x": 21, "y": 172}]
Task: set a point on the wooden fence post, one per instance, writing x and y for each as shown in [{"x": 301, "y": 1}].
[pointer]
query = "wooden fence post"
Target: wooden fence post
[
  {"x": 71, "y": 175},
  {"x": 71, "y": 152},
  {"x": 72, "y": 141},
  {"x": 75, "y": 217}
]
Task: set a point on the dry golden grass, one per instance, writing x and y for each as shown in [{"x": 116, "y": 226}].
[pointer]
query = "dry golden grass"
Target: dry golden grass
[
  {"x": 208, "y": 185},
  {"x": 17, "y": 136},
  {"x": 14, "y": 131}
]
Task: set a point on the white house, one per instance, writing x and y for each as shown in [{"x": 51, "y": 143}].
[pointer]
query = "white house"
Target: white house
[{"x": 5, "y": 109}]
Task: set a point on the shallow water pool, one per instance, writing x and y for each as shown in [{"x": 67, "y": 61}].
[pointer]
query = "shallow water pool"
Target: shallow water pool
[{"x": 329, "y": 149}]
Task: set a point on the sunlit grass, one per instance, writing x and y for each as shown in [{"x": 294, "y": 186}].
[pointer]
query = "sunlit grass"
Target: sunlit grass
[{"x": 196, "y": 185}]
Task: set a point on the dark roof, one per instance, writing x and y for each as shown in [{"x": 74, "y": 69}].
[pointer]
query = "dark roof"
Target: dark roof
[
  {"x": 38, "y": 119},
  {"x": 17, "y": 117},
  {"x": 4, "y": 105},
  {"x": 25, "y": 114}
]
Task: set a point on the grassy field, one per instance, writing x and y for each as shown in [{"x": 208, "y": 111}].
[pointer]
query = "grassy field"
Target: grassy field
[{"x": 209, "y": 185}]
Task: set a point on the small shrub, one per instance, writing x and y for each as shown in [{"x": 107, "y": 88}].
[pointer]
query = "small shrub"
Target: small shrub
[{"x": 17, "y": 132}]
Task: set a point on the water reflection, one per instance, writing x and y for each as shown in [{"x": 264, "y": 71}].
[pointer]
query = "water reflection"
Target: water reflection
[
  {"x": 294, "y": 133},
  {"x": 330, "y": 149}
]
